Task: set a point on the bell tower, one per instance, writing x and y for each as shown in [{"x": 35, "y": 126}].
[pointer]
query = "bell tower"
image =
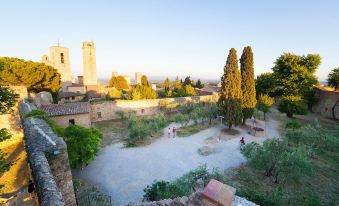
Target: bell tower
[{"x": 89, "y": 63}]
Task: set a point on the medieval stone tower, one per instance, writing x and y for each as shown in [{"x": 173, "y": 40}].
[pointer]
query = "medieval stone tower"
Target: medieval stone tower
[
  {"x": 59, "y": 59},
  {"x": 89, "y": 63}
]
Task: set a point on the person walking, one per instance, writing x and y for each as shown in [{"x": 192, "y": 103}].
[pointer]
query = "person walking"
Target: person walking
[
  {"x": 174, "y": 131},
  {"x": 169, "y": 132}
]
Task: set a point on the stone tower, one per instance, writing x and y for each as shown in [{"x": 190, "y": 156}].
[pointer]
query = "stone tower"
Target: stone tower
[
  {"x": 138, "y": 76},
  {"x": 89, "y": 63},
  {"x": 59, "y": 59}
]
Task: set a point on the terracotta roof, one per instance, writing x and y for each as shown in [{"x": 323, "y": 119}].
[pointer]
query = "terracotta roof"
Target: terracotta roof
[
  {"x": 66, "y": 109},
  {"x": 76, "y": 85},
  {"x": 69, "y": 94}
]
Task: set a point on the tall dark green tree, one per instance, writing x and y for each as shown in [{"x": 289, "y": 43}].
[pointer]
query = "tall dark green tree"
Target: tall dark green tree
[
  {"x": 199, "y": 85},
  {"x": 187, "y": 81},
  {"x": 247, "y": 83},
  {"x": 35, "y": 76},
  {"x": 229, "y": 102}
]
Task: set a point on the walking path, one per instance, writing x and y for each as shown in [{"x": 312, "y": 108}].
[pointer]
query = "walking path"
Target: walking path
[{"x": 123, "y": 173}]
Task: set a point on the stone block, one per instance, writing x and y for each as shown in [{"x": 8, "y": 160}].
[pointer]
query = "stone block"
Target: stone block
[{"x": 218, "y": 194}]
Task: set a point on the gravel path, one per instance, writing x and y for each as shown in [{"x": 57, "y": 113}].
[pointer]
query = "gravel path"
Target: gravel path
[{"x": 123, "y": 173}]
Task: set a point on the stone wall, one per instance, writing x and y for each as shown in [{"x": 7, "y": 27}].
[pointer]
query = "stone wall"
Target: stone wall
[
  {"x": 325, "y": 105},
  {"x": 48, "y": 160},
  {"x": 106, "y": 110},
  {"x": 79, "y": 119}
]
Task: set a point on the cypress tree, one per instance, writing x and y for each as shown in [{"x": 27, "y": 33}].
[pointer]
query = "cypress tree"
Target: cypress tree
[
  {"x": 167, "y": 85},
  {"x": 247, "y": 83},
  {"x": 229, "y": 102}
]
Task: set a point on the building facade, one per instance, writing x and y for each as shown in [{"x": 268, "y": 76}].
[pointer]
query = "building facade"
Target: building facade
[{"x": 138, "y": 77}]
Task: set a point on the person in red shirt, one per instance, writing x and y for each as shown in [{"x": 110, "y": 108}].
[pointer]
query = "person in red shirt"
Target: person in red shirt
[
  {"x": 174, "y": 131},
  {"x": 242, "y": 141}
]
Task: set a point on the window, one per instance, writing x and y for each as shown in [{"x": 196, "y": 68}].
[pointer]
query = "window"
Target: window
[
  {"x": 62, "y": 58},
  {"x": 99, "y": 114},
  {"x": 142, "y": 111},
  {"x": 67, "y": 98},
  {"x": 73, "y": 98},
  {"x": 71, "y": 122}
]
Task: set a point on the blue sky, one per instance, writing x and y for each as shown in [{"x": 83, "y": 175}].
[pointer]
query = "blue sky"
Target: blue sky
[{"x": 169, "y": 38}]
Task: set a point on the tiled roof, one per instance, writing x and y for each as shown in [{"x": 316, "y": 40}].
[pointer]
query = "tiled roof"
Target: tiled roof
[
  {"x": 66, "y": 109},
  {"x": 69, "y": 94}
]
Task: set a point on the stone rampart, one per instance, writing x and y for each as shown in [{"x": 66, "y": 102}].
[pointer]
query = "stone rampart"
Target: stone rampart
[
  {"x": 48, "y": 160},
  {"x": 106, "y": 110},
  {"x": 327, "y": 104}
]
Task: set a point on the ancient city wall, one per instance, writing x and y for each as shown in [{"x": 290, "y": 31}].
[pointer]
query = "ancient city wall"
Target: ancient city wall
[
  {"x": 106, "y": 110},
  {"x": 326, "y": 101},
  {"x": 48, "y": 160}
]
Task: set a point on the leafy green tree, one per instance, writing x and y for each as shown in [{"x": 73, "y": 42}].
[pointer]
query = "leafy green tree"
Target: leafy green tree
[
  {"x": 144, "y": 81},
  {"x": 177, "y": 84},
  {"x": 264, "y": 104},
  {"x": 292, "y": 105},
  {"x": 119, "y": 82},
  {"x": 247, "y": 83},
  {"x": 35, "y": 76},
  {"x": 114, "y": 93},
  {"x": 189, "y": 90},
  {"x": 82, "y": 144},
  {"x": 333, "y": 78},
  {"x": 295, "y": 75},
  {"x": 265, "y": 83},
  {"x": 142, "y": 92},
  {"x": 199, "y": 85},
  {"x": 229, "y": 102},
  {"x": 8, "y": 98}
]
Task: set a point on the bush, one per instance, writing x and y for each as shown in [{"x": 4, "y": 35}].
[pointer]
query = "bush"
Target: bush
[
  {"x": 292, "y": 125},
  {"x": 82, "y": 144},
  {"x": 292, "y": 105},
  {"x": 4, "y": 134},
  {"x": 37, "y": 114},
  {"x": 113, "y": 93},
  {"x": 183, "y": 186}
]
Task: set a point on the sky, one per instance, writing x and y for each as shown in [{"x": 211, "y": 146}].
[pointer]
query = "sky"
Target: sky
[{"x": 172, "y": 37}]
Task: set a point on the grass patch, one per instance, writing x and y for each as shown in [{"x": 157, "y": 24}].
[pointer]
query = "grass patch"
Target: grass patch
[
  {"x": 192, "y": 129},
  {"x": 113, "y": 131}
]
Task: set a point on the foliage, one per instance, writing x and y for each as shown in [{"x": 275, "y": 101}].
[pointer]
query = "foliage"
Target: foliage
[
  {"x": 295, "y": 74},
  {"x": 4, "y": 134},
  {"x": 264, "y": 104},
  {"x": 292, "y": 105},
  {"x": 189, "y": 90},
  {"x": 139, "y": 129},
  {"x": 179, "y": 92},
  {"x": 279, "y": 161},
  {"x": 144, "y": 81},
  {"x": 229, "y": 102},
  {"x": 82, "y": 144},
  {"x": 114, "y": 93},
  {"x": 187, "y": 81},
  {"x": 182, "y": 186},
  {"x": 35, "y": 76},
  {"x": 37, "y": 114},
  {"x": 168, "y": 91},
  {"x": 177, "y": 84},
  {"x": 4, "y": 165},
  {"x": 142, "y": 92},
  {"x": 293, "y": 125},
  {"x": 199, "y": 85},
  {"x": 265, "y": 83},
  {"x": 8, "y": 98},
  {"x": 247, "y": 83},
  {"x": 333, "y": 78},
  {"x": 118, "y": 82}
]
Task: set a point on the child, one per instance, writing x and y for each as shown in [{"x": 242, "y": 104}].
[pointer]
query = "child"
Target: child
[{"x": 174, "y": 131}]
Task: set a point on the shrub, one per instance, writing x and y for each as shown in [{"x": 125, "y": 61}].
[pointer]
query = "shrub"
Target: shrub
[
  {"x": 292, "y": 105},
  {"x": 82, "y": 144},
  {"x": 161, "y": 190},
  {"x": 292, "y": 125},
  {"x": 4, "y": 134},
  {"x": 189, "y": 90},
  {"x": 37, "y": 114},
  {"x": 114, "y": 93}
]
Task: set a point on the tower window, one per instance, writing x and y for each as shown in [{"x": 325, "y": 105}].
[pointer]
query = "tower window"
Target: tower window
[{"x": 62, "y": 58}]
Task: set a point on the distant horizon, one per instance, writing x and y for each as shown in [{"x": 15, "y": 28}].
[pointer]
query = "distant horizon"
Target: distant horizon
[{"x": 170, "y": 38}]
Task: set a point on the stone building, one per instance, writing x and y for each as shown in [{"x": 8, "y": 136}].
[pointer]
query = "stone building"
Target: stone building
[
  {"x": 70, "y": 113},
  {"x": 89, "y": 64},
  {"x": 59, "y": 59},
  {"x": 327, "y": 103},
  {"x": 67, "y": 97}
]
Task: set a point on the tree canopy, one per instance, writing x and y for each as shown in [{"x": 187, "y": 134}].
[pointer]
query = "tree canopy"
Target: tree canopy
[
  {"x": 177, "y": 84},
  {"x": 35, "y": 76},
  {"x": 119, "y": 82},
  {"x": 294, "y": 74},
  {"x": 247, "y": 83},
  {"x": 264, "y": 103},
  {"x": 8, "y": 98},
  {"x": 144, "y": 81},
  {"x": 199, "y": 85},
  {"x": 333, "y": 78},
  {"x": 142, "y": 92},
  {"x": 265, "y": 84},
  {"x": 229, "y": 102}
]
